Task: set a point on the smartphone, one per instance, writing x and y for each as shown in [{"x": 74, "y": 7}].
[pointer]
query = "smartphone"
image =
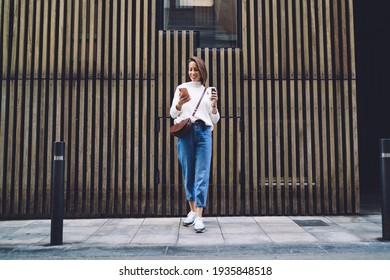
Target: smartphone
[{"x": 183, "y": 91}]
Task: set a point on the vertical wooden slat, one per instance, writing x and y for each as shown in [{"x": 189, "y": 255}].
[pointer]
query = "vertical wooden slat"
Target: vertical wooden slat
[
  {"x": 297, "y": 33},
  {"x": 335, "y": 47},
  {"x": 49, "y": 151},
  {"x": 262, "y": 148},
  {"x": 34, "y": 149},
  {"x": 355, "y": 156},
  {"x": 83, "y": 38},
  {"x": 114, "y": 40},
  {"x": 97, "y": 145},
  {"x": 301, "y": 146},
  {"x": 355, "y": 148},
  {"x": 68, "y": 41},
  {"x": 88, "y": 146},
  {"x": 286, "y": 150},
  {"x": 3, "y": 151},
  {"x": 315, "y": 76},
  {"x": 307, "y": 175},
  {"x": 72, "y": 145},
  {"x": 151, "y": 143},
  {"x": 130, "y": 36},
  {"x": 16, "y": 146},
  {"x": 324, "y": 148},
  {"x": 270, "y": 139},
  {"x": 29, "y": 34},
  {"x": 4, "y": 35},
  {"x": 246, "y": 125},
  {"x": 268, "y": 108},
  {"x": 283, "y": 40},
  {"x": 9, "y": 153},
  {"x": 61, "y": 43},
  {"x": 45, "y": 38},
  {"x": 137, "y": 44},
  {"x": 232, "y": 183},
  {"x": 267, "y": 43},
  {"x": 145, "y": 37},
  {"x": 170, "y": 149},
  {"x": 112, "y": 149},
  {"x": 137, "y": 139},
  {"x": 244, "y": 38},
  {"x": 152, "y": 23},
  {"x": 107, "y": 39},
  {"x": 79, "y": 92},
  {"x": 344, "y": 37},
  {"x": 252, "y": 38},
  {"x": 175, "y": 76},
  {"x": 41, "y": 160},
  {"x": 254, "y": 160},
  {"x": 66, "y": 138},
  {"x": 121, "y": 52},
  {"x": 317, "y": 156},
  {"x": 339, "y": 139},
  {"x": 105, "y": 148},
  {"x": 322, "y": 185},
  {"x": 15, "y": 38},
  {"x": 239, "y": 128},
  {"x": 346, "y": 128},
  {"x": 309, "y": 148},
  {"x": 278, "y": 162},
  {"x": 52, "y": 45},
  {"x": 100, "y": 32},
  {"x": 27, "y": 148},
  {"x": 144, "y": 138},
  {"x": 290, "y": 22},
  {"x": 332, "y": 155},
  {"x": 161, "y": 122},
  {"x": 276, "y": 109},
  {"x": 275, "y": 40},
  {"x": 129, "y": 154},
  {"x": 121, "y": 139},
  {"x": 305, "y": 34}
]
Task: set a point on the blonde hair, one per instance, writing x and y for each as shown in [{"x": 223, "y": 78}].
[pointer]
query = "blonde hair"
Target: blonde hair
[{"x": 202, "y": 68}]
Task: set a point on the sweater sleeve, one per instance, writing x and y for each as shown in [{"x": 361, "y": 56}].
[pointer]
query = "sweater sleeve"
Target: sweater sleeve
[{"x": 214, "y": 117}]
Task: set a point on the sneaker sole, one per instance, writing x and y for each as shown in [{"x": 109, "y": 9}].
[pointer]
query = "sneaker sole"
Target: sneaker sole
[
  {"x": 200, "y": 230},
  {"x": 188, "y": 224}
]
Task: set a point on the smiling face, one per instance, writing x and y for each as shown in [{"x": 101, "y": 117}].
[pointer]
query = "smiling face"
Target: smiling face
[{"x": 193, "y": 72}]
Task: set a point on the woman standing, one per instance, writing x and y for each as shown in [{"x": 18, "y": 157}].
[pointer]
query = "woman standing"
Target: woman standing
[{"x": 194, "y": 149}]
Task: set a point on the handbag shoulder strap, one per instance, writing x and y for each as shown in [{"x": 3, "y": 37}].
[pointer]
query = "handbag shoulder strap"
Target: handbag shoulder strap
[{"x": 197, "y": 106}]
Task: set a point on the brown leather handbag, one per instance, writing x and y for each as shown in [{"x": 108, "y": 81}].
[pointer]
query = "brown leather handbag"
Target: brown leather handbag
[{"x": 182, "y": 128}]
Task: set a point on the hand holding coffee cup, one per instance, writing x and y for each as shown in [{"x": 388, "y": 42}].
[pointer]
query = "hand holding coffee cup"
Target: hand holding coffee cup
[{"x": 214, "y": 96}]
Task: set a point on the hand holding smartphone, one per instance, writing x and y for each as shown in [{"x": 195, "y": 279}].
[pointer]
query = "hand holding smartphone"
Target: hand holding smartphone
[
  {"x": 183, "y": 92},
  {"x": 184, "y": 95}
]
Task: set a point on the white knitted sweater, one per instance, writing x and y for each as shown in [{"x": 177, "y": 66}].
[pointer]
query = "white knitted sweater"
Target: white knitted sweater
[{"x": 204, "y": 112}]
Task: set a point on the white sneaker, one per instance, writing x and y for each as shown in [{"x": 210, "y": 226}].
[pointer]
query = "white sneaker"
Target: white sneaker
[
  {"x": 189, "y": 221},
  {"x": 199, "y": 225}
]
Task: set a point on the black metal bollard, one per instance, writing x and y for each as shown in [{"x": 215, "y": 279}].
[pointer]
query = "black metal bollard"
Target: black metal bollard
[
  {"x": 57, "y": 194},
  {"x": 385, "y": 186}
]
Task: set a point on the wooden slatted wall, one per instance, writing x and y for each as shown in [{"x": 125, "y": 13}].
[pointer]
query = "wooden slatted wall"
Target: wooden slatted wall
[
  {"x": 300, "y": 106},
  {"x": 100, "y": 76}
]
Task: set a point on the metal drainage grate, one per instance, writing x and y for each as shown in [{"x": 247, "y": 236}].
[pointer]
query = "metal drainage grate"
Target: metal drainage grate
[{"x": 310, "y": 223}]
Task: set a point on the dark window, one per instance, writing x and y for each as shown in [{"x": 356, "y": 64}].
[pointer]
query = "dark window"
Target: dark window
[{"x": 216, "y": 20}]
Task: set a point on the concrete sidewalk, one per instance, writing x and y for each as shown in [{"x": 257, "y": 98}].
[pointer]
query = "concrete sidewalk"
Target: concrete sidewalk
[{"x": 248, "y": 237}]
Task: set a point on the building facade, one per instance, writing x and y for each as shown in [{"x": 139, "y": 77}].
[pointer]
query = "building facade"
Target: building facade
[{"x": 100, "y": 76}]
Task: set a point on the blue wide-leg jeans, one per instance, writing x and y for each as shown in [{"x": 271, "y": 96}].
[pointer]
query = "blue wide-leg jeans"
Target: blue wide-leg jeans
[{"x": 194, "y": 152}]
